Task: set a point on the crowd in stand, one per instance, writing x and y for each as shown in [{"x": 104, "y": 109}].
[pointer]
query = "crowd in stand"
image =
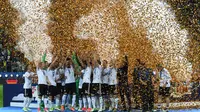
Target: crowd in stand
[{"x": 11, "y": 60}]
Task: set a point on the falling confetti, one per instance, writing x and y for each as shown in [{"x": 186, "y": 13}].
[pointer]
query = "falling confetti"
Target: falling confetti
[
  {"x": 155, "y": 31},
  {"x": 103, "y": 26},
  {"x": 33, "y": 39}
]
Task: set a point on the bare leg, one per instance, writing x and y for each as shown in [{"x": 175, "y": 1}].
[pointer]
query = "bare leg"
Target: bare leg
[
  {"x": 167, "y": 101},
  {"x": 159, "y": 101}
]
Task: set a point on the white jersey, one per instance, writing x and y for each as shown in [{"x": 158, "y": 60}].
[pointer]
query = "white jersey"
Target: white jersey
[
  {"x": 165, "y": 78},
  {"x": 42, "y": 77},
  {"x": 69, "y": 74},
  {"x": 87, "y": 75},
  {"x": 105, "y": 77},
  {"x": 51, "y": 74},
  {"x": 97, "y": 75},
  {"x": 113, "y": 76},
  {"x": 28, "y": 80}
]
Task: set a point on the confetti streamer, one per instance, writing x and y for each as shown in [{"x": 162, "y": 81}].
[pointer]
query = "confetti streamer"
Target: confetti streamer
[
  {"x": 33, "y": 39},
  {"x": 165, "y": 34},
  {"x": 145, "y": 29}
]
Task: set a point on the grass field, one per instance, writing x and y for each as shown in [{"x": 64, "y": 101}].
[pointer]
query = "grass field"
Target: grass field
[{"x": 1, "y": 95}]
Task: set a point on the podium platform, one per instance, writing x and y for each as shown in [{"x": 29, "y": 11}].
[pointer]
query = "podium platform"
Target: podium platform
[{"x": 18, "y": 109}]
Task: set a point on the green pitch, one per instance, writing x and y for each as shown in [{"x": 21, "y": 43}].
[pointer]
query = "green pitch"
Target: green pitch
[{"x": 1, "y": 95}]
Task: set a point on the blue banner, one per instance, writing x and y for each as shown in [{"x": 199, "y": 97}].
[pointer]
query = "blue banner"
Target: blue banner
[
  {"x": 13, "y": 95},
  {"x": 10, "y": 91}
]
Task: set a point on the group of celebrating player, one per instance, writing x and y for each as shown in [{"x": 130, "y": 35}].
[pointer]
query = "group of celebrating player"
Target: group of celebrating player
[
  {"x": 97, "y": 87},
  {"x": 56, "y": 81}
]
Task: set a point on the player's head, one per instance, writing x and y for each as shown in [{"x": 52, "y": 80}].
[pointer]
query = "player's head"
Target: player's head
[
  {"x": 90, "y": 61},
  {"x": 84, "y": 64},
  {"x": 40, "y": 65},
  {"x": 159, "y": 67},
  {"x": 123, "y": 60},
  {"x": 56, "y": 65},
  {"x": 29, "y": 68},
  {"x": 68, "y": 62},
  {"x": 105, "y": 63},
  {"x": 112, "y": 63},
  {"x": 44, "y": 64},
  {"x": 60, "y": 64},
  {"x": 137, "y": 62},
  {"x": 98, "y": 62}
]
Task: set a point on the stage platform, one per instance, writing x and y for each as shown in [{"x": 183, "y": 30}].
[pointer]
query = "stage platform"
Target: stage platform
[{"x": 18, "y": 109}]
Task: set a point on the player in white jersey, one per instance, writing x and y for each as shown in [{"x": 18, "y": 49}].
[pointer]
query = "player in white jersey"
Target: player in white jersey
[
  {"x": 70, "y": 85},
  {"x": 96, "y": 86},
  {"x": 164, "y": 89},
  {"x": 86, "y": 85},
  {"x": 113, "y": 88},
  {"x": 81, "y": 92},
  {"x": 105, "y": 82},
  {"x": 51, "y": 74},
  {"x": 28, "y": 88},
  {"x": 43, "y": 81},
  {"x": 42, "y": 85},
  {"x": 59, "y": 86}
]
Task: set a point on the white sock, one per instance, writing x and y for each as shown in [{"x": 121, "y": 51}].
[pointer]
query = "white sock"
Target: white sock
[
  {"x": 89, "y": 101},
  {"x": 50, "y": 104},
  {"x": 57, "y": 101},
  {"x": 112, "y": 102},
  {"x": 39, "y": 102},
  {"x": 104, "y": 102},
  {"x": 45, "y": 103},
  {"x": 25, "y": 102},
  {"x": 68, "y": 99},
  {"x": 29, "y": 102},
  {"x": 159, "y": 106},
  {"x": 63, "y": 99},
  {"x": 73, "y": 100},
  {"x": 101, "y": 102},
  {"x": 97, "y": 102},
  {"x": 80, "y": 103},
  {"x": 93, "y": 102},
  {"x": 84, "y": 102},
  {"x": 116, "y": 102}
]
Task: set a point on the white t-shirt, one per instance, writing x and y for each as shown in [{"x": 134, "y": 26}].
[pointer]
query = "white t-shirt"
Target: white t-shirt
[
  {"x": 97, "y": 75},
  {"x": 51, "y": 74},
  {"x": 105, "y": 77},
  {"x": 28, "y": 80},
  {"x": 165, "y": 78},
  {"x": 69, "y": 74},
  {"x": 113, "y": 77},
  {"x": 87, "y": 75},
  {"x": 42, "y": 79}
]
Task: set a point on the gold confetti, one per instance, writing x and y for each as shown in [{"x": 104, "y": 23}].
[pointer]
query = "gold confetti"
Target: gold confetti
[{"x": 160, "y": 32}]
